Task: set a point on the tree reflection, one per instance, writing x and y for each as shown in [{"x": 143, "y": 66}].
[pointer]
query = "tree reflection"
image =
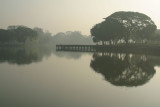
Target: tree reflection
[
  {"x": 124, "y": 69},
  {"x": 21, "y": 55}
]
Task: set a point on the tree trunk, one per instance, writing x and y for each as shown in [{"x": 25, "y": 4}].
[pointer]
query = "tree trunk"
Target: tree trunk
[
  {"x": 102, "y": 42},
  {"x": 96, "y": 43},
  {"x": 126, "y": 42},
  {"x": 110, "y": 42}
]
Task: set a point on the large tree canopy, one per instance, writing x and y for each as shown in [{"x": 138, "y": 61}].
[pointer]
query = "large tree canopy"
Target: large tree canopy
[{"x": 124, "y": 25}]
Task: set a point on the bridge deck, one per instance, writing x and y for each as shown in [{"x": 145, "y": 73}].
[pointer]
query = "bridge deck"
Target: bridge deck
[
  {"x": 81, "y": 48},
  {"x": 113, "y": 48}
]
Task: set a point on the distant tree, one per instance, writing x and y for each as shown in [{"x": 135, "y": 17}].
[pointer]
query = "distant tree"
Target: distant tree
[
  {"x": 12, "y": 27},
  {"x": 17, "y": 33},
  {"x": 23, "y": 33},
  {"x": 5, "y": 36},
  {"x": 44, "y": 37},
  {"x": 39, "y": 31},
  {"x": 72, "y": 37}
]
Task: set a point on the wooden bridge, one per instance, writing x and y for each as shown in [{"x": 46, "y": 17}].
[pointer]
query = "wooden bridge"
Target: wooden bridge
[
  {"x": 79, "y": 48},
  {"x": 111, "y": 48},
  {"x": 90, "y": 48}
]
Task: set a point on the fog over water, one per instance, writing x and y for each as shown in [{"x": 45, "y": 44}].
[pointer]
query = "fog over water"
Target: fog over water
[
  {"x": 79, "y": 53},
  {"x": 69, "y": 79}
]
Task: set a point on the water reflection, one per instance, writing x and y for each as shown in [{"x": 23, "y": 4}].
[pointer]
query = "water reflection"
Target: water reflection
[
  {"x": 125, "y": 69},
  {"x": 21, "y": 55},
  {"x": 119, "y": 69},
  {"x": 69, "y": 55},
  {"x": 27, "y": 55}
]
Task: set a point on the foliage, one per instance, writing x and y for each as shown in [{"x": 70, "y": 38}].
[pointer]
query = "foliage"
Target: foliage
[
  {"x": 44, "y": 37},
  {"x": 124, "y": 26},
  {"x": 72, "y": 37},
  {"x": 17, "y": 34}
]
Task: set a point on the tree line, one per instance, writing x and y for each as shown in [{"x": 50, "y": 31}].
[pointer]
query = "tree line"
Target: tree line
[
  {"x": 37, "y": 36},
  {"x": 119, "y": 27},
  {"x": 17, "y": 34},
  {"x": 124, "y": 27}
]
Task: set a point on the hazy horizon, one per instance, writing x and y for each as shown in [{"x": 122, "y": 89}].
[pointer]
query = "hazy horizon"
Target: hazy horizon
[{"x": 71, "y": 15}]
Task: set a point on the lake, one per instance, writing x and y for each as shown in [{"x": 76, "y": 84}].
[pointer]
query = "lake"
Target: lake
[{"x": 45, "y": 78}]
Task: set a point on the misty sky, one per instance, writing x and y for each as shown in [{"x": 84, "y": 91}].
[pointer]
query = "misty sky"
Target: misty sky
[{"x": 70, "y": 15}]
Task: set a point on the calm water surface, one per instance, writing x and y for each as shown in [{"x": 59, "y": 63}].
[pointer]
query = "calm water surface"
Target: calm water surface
[{"x": 71, "y": 79}]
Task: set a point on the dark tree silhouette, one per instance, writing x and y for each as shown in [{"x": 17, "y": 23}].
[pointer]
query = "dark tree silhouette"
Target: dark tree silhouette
[
  {"x": 138, "y": 25},
  {"x": 5, "y": 36},
  {"x": 95, "y": 40},
  {"x": 123, "y": 70},
  {"x": 17, "y": 34},
  {"x": 109, "y": 30},
  {"x": 124, "y": 25},
  {"x": 23, "y": 33}
]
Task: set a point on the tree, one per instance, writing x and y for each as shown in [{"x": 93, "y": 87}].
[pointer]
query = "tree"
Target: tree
[
  {"x": 139, "y": 26},
  {"x": 17, "y": 34},
  {"x": 44, "y": 37},
  {"x": 113, "y": 30},
  {"x": 23, "y": 33},
  {"x": 6, "y": 36},
  {"x": 124, "y": 25},
  {"x": 96, "y": 33},
  {"x": 95, "y": 40}
]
